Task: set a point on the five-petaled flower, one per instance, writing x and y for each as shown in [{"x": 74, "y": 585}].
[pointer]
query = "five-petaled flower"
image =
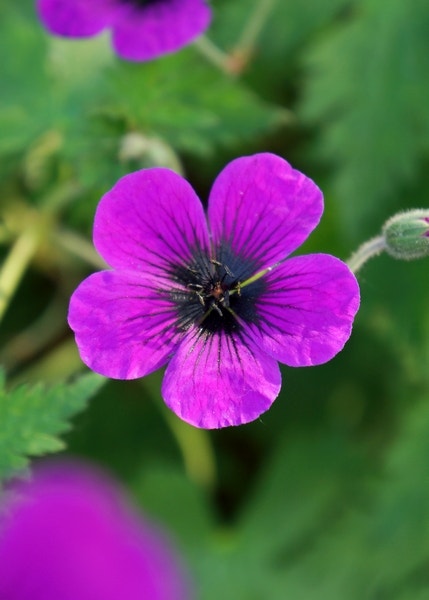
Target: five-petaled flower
[
  {"x": 219, "y": 304},
  {"x": 141, "y": 29},
  {"x": 69, "y": 534}
]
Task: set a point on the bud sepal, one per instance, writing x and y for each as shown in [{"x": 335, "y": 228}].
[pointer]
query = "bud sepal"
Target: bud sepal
[{"x": 406, "y": 235}]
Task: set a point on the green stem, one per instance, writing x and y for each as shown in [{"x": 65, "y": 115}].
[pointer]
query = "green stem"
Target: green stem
[
  {"x": 194, "y": 444},
  {"x": 196, "y": 449},
  {"x": 254, "y": 26},
  {"x": 61, "y": 363},
  {"x": 60, "y": 197},
  {"x": 373, "y": 247},
  {"x": 234, "y": 62},
  {"x": 80, "y": 247},
  {"x": 30, "y": 342},
  {"x": 16, "y": 264},
  {"x": 213, "y": 54}
]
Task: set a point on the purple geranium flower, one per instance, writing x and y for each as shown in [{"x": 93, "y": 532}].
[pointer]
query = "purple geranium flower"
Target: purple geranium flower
[
  {"x": 69, "y": 535},
  {"x": 141, "y": 29},
  {"x": 219, "y": 304}
]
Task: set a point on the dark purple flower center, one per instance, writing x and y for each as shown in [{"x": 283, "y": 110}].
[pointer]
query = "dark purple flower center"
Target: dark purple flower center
[
  {"x": 142, "y": 3},
  {"x": 216, "y": 299}
]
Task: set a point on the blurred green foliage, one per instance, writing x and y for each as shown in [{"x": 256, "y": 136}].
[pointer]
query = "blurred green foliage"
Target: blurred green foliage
[
  {"x": 369, "y": 86},
  {"x": 327, "y": 494}
]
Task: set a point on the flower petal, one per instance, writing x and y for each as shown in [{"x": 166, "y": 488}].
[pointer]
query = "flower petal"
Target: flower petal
[
  {"x": 69, "y": 534},
  {"x": 124, "y": 324},
  {"x": 306, "y": 314},
  {"x": 76, "y": 18},
  {"x": 151, "y": 221},
  {"x": 159, "y": 28},
  {"x": 220, "y": 380},
  {"x": 263, "y": 208}
]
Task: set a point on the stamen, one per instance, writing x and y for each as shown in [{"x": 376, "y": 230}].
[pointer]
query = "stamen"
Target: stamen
[
  {"x": 216, "y": 307},
  {"x": 216, "y": 300}
]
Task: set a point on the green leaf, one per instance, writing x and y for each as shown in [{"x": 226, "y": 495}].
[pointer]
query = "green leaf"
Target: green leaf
[
  {"x": 191, "y": 105},
  {"x": 180, "y": 101},
  {"x": 33, "y": 417}
]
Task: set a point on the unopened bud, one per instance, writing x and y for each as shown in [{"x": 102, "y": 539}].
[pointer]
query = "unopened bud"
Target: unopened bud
[{"x": 406, "y": 235}]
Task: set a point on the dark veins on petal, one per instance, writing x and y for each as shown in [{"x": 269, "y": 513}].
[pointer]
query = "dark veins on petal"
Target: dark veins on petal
[{"x": 209, "y": 293}]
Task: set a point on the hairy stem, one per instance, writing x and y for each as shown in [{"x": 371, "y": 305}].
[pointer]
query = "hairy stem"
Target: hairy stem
[{"x": 371, "y": 248}]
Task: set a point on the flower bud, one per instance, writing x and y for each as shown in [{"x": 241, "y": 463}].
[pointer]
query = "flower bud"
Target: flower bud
[{"x": 406, "y": 234}]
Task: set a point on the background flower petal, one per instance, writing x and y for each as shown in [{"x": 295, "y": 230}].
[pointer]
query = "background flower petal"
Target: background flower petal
[
  {"x": 70, "y": 535},
  {"x": 307, "y": 312},
  {"x": 159, "y": 28},
  {"x": 263, "y": 208},
  {"x": 220, "y": 380},
  {"x": 124, "y": 328},
  {"x": 76, "y": 18},
  {"x": 151, "y": 221}
]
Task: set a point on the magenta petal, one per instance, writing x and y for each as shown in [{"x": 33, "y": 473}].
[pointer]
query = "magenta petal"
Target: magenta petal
[
  {"x": 77, "y": 18},
  {"x": 124, "y": 327},
  {"x": 307, "y": 312},
  {"x": 159, "y": 28},
  {"x": 263, "y": 208},
  {"x": 220, "y": 380},
  {"x": 70, "y": 535},
  {"x": 151, "y": 221}
]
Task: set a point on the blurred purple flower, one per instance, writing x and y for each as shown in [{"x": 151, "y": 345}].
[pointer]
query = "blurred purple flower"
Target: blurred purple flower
[
  {"x": 69, "y": 535},
  {"x": 221, "y": 304},
  {"x": 141, "y": 29}
]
